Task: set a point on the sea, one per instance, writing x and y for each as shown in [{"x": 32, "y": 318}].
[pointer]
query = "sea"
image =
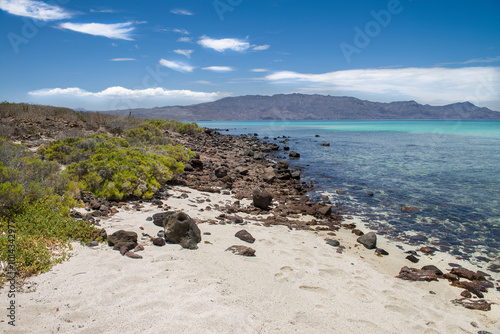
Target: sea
[{"x": 449, "y": 170}]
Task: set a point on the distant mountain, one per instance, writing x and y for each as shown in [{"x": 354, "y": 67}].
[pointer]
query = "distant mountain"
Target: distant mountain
[{"x": 309, "y": 107}]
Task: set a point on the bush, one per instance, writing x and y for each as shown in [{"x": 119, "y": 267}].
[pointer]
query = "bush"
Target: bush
[{"x": 42, "y": 236}]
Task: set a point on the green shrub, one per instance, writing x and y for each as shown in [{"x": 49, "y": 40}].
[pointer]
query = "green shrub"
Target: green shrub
[{"x": 42, "y": 236}]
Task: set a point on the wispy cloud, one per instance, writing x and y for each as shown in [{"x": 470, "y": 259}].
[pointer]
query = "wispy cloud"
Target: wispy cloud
[
  {"x": 179, "y": 11},
  {"x": 157, "y": 95},
  {"x": 261, "y": 47},
  {"x": 259, "y": 70},
  {"x": 37, "y": 10},
  {"x": 122, "y": 59},
  {"x": 184, "y": 52},
  {"x": 224, "y": 44},
  {"x": 474, "y": 61},
  {"x": 181, "y": 31},
  {"x": 176, "y": 65},
  {"x": 102, "y": 10},
  {"x": 185, "y": 39},
  {"x": 114, "y": 31},
  {"x": 428, "y": 85},
  {"x": 218, "y": 68}
]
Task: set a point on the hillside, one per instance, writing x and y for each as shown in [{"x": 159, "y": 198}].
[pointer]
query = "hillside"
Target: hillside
[{"x": 311, "y": 107}]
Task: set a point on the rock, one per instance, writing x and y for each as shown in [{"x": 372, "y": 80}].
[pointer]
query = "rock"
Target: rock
[
  {"x": 268, "y": 176},
  {"x": 242, "y": 250},
  {"x": 122, "y": 238},
  {"x": 92, "y": 244},
  {"x": 466, "y": 294},
  {"x": 470, "y": 275},
  {"x": 480, "y": 304},
  {"x": 182, "y": 229},
  {"x": 369, "y": 240},
  {"x": 294, "y": 155},
  {"x": 412, "y": 258},
  {"x": 296, "y": 175},
  {"x": 197, "y": 164},
  {"x": 139, "y": 248},
  {"x": 426, "y": 250},
  {"x": 241, "y": 170},
  {"x": 410, "y": 209},
  {"x": 325, "y": 210},
  {"x": 381, "y": 251},
  {"x": 357, "y": 232},
  {"x": 282, "y": 164},
  {"x": 221, "y": 172},
  {"x": 188, "y": 167},
  {"x": 245, "y": 236},
  {"x": 133, "y": 255},
  {"x": 123, "y": 250},
  {"x": 159, "y": 241},
  {"x": 333, "y": 243},
  {"x": 261, "y": 198},
  {"x": 436, "y": 270},
  {"x": 286, "y": 148},
  {"x": 325, "y": 144},
  {"x": 103, "y": 234},
  {"x": 159, "y": 219},
  {"x": 451, "y": 277},
  {"x": 414, "y": 274}
]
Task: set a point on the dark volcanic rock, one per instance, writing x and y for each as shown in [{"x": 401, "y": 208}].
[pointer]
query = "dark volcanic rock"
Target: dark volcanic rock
[
  {"x": 333, "y": 243},
  {"x": 159, "y": 241},
  {"x": 381, "y": 251},
  {"x": 242, "y": 250},
  {"x": 436, "y": 270},
  {"x": 294, "y": 155},
  {"x": 369, "y": 240},
  {"x": 245, "y": 236},
  {"x": 325, "y": 210},
  {"x": 412, "y": 258},
  {"x": 221, "y": 172},
  {"x": 480, "y": 304},
  {"x": 414, "y": 274},
  {"x": 261, "y": 198},
  {"x": 470, "y": 275},
  {"x": 122, "y": 238},
  {"x": 182, "y": 229},
  {"x": 159, "y": 219}
]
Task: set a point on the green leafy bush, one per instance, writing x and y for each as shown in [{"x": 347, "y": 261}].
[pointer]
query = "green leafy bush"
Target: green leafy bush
[{"x": 42, "y": 236}]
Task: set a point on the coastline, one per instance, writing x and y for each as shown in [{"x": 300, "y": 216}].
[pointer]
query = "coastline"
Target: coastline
[{"x": 296, "y": 282}]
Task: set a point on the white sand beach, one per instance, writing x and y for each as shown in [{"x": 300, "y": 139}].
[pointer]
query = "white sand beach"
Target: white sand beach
[{"x": 295, "y": 283}]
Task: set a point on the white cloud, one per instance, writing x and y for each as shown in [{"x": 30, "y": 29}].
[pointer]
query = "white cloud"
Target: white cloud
[
  {"x": 204, "y": 82},
  {"x": 176, "y": 65},
  {"x": 426, "y": 85},
  {"x": 120, "y": 92},
  {"x": 179, "y": 11},
  {"x": 257, "y": 70},
  {"x": 181, "y": 31},
  {"x": 261, "y": 47},
  {"x": 224, "y": 44},
  {"x": 219, "y": 68},
  {"x": 123, "y": 98},
  {"x": 474, "y": 61},
  {"x": 184, "y": 52},
  {"x": 34, "y": 9},
  {"x": 185, "y": 39},
  {"x": 102, "y": 10},
  {"x": 114, "y": 31},
  {"x": 123, "y": 59}
]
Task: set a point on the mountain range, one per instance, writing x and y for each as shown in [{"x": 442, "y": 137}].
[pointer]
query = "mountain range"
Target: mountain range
[{"x": 309, "y": 107}]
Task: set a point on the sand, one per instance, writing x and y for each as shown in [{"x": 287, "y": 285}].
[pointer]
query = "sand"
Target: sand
[{"x": 296, "y": 283}]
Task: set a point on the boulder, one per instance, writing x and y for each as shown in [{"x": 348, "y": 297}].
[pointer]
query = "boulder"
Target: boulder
[
  {"x": 242, "y": 250},
  {"x": 294, "y": 155},
  {"x": 122, "y": 238},
  {"x": 261, "y": 198},
  {"x": 221, "y": 172},
  {"x": 325, "y": 210},
  {"x": 436, "y": 270},
  {"x": 159, "y": 241},
  {"x": 159, "y": 219},
  {"x": 369, "y": 240},
  {"x": 245, "y": 236},
  {"x": 325, "y": 144},
  {"x": 182, "y": 229},
  {"x": 465, "y": 273}
]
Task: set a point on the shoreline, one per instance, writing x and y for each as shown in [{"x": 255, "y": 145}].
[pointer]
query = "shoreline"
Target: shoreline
[{"x": 296, "y": 261}]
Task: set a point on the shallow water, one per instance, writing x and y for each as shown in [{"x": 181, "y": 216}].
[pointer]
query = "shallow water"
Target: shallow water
[{"x": 450, "y": 170}]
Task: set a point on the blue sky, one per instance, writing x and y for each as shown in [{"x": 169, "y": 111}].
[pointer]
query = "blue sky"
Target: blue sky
[{"x": 103, "y": 55}]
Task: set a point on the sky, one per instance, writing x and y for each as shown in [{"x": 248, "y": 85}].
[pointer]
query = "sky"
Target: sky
[{"x": 106, "y": 55}]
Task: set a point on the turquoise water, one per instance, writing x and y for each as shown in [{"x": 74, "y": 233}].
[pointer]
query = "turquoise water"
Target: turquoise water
[{"x": 450, "y": 170}]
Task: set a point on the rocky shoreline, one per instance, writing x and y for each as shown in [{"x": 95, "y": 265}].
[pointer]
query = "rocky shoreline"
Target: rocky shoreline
[{"x": 242, "y": 167}]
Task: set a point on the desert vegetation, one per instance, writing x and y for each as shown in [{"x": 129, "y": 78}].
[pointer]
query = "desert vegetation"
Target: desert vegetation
[{"x": 112, "y": 157}]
